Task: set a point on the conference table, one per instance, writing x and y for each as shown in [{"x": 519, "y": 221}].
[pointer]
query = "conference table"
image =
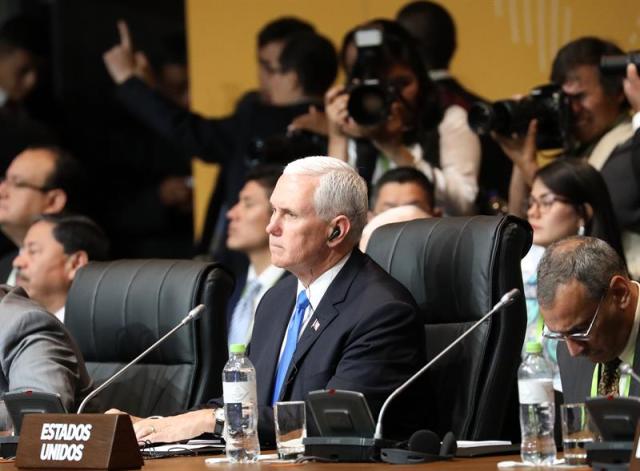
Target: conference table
[{"x": 195, "y": 463}]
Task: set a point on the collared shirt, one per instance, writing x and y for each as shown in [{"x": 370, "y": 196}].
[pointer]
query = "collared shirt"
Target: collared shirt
[
  {"x": 636, "y": 121},
  {"x": 439, "y": 74},
  {"x": 267, "y": 279},
  {"x": 60, "y": 314},
  {"x": 629, "y": 350},
  {"x": 315, "y": 293}
]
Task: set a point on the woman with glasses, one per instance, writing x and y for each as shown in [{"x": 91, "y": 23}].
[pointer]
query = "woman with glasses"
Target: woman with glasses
[{"x": 568, "y": 197}]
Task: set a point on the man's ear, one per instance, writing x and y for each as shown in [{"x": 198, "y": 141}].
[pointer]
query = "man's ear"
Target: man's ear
[
  {"x": 76, "y": 261},
  {"x": 56, "y": 201},
  {"x": 338, "y": 230},
  {"x": 620, "y": 287}
]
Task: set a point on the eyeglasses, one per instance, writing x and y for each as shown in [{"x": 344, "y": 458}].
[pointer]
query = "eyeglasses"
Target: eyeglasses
[
  {"x": 576, "y": 336},
  {"x": 20, "y": 184},
  {"x": 545, "y": 202}
]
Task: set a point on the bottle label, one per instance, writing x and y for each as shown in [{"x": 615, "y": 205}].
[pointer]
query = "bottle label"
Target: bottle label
[
  {"x": 239, "y": 392},
  {"x": 535, "y": 391}
]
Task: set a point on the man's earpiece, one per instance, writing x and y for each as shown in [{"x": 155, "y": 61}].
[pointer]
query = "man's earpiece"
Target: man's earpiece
[{"x": 334, "y": 234}]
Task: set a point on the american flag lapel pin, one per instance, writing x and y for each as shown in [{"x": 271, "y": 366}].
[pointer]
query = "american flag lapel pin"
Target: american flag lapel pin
[{"x": 315, "y": 325}]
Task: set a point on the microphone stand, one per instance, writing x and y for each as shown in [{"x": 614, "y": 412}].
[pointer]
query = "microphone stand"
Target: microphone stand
[
  {"x": 504, "y": 301},
  {"x": 193, "y": 314}
]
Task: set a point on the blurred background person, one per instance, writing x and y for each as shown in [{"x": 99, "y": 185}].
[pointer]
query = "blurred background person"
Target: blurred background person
[
  {"x": 40, "y": 180},
  {"x": 418, "y": 132},
  {"x": 434, "y": 29},
  {"x": 293, "y": 74},
  {"x": 568, "y": 197},
  {"x": 247, "y": 234},
  {"x": 402, "y": 186}
]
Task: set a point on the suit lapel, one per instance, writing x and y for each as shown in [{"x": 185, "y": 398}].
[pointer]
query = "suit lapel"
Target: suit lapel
[
  {"x": 326, "y": 312},
  {"x": 634, "y": 387}
]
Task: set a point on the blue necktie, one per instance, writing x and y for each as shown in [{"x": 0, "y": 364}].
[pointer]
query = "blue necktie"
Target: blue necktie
[
  {"x": 243, "y": 314},
  {"x": 290, "y": 346}
]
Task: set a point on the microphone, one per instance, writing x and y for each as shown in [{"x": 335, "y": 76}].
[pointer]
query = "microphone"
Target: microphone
[
  {"x": 626, "y": 369},
  {"x": 192, "y": 315},
  {"x": 507, "y": 299}
]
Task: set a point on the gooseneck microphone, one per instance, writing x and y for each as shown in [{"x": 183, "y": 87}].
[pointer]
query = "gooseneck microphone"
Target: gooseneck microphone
[
  {"x": 193, "y": 314},
  {"x": 626, "y": 369},
  {"x": 504, "y": 301}
]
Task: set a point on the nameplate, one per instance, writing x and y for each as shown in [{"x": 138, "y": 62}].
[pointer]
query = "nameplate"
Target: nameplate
[{"x": 70, "y": 441}]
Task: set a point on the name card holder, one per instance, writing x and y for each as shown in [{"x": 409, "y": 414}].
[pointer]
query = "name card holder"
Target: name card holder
[{"x": 85, "y": 441}]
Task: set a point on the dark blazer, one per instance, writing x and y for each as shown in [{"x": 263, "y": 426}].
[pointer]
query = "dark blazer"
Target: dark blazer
[
  {"x": 369, "y": 339},
  {"x": 577, "y": 373}
]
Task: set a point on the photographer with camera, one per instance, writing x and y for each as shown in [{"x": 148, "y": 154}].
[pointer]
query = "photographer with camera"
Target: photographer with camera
[
  {"x": 597, "y": 120},
  {"x": 389, "y": 116}
]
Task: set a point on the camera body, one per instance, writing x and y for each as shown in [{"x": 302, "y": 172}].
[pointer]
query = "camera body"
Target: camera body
[
  {"x": 546, "y": 103},
  {"x": 617, "y": 64},
  {"x": 370, "y": 96}
]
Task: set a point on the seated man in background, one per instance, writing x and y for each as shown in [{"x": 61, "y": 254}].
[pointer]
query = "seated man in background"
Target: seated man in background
[
  {"x": 402, "y": 186},
  {"x": 401, "y": 194},
  {"x": 55, "y": 247},
  {"x": 40, "y": 180},
  {"x": 246, "y": 234},
  {"x": 591, "y": 306},
  {"x": 36, "y": 351},
  {"x": 340, "y": 322}
]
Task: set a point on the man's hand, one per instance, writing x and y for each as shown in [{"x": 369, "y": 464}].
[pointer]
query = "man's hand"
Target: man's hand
[
  {"x": 314, "y": 121},
  {"x": 121, "y": 60},
  {"x": 176, "y": 428},
  {"x": 521, "y": 150},
  {"x": 176, "y": 192},
  {"x": 632, "y": 87}
]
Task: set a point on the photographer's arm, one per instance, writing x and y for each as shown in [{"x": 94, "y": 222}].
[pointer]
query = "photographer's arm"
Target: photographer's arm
[
  {"x": 521, "y": 151},
  {"x": 335, "y": 106},
  {"x": 518, "y": 193}
]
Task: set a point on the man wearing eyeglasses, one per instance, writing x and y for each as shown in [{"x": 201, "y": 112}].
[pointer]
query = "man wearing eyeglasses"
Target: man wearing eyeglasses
[
  {"x": 590, "y": 305},
  {"x": 39, "y": 180}
]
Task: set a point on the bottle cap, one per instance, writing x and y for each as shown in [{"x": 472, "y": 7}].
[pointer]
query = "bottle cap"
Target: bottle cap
[
  {"x": 533, "y": 347},
  {"x": 237, "y": 348}
]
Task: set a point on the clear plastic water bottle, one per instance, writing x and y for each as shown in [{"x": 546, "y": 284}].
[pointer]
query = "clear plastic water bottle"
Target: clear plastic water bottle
[
  {"x": 240, "y": 407},
  {"x": 537, "y": 407}
]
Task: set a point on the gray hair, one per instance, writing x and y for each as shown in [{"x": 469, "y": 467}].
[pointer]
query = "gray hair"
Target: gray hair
[
  {"x": 588, "y": 260},
  {"x": 340, "y": 191}
]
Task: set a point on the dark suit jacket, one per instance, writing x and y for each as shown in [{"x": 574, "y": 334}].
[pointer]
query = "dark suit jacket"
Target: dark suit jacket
[
  {"x": 621, "y": 173},
  {"x": 577, "y": 373},
  {"x": 369, "y": 339}
]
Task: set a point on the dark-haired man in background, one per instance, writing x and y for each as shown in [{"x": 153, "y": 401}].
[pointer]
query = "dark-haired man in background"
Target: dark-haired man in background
[
  {"x": 55, "y": 247},
  {"x": 40, "y": 180},
  {"x": 246, "y": 234},
  {"x": 293, "y": 74},
  {"x": 402, "y": 186}
]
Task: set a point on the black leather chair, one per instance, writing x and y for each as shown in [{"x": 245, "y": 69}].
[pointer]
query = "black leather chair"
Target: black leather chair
[
  {"x": 457, "y": 269},
  {"x": 117, "y": 309}
]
